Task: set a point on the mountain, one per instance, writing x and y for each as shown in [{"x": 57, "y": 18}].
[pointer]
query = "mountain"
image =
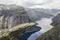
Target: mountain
[
  {"x": 15, "y": 23},
  {"x": 56, "y": 20},
  {"x": 54, "y": 33},
  {"x": 12, "y": 15},
  {"x": 37, "y": 14}
]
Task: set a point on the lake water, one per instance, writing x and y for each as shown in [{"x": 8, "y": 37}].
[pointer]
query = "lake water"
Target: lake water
[{"x": 44, "y": 23}]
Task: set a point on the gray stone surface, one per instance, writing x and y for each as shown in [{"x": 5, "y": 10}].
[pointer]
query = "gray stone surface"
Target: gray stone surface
[
  {"x": 56, "y": 20},
  {"x": 12, "y": 15}
]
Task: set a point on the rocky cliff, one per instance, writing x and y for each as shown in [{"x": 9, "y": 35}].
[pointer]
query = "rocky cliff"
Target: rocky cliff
[
  {"x": 12, "y": 15},
  {"x": 19, "y": 32},
  {"x": 54, "y": 33},
  {"x": 15, "y": 23},
  {"x": 56, "y": 20}
]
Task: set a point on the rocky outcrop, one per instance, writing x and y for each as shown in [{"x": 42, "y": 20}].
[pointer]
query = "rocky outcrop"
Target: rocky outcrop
[
  {"x": 15, "y": 32},
  {"x": 56, "y": 20},
  {"x": 12, "y": 15},
  {"x": 29, "y": 32},
  {"x": 15, "y": 23}
]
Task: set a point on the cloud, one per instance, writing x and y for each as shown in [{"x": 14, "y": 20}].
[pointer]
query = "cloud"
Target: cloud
[
  {"x": 18, "y": 2},
  {"x": 25, "y": 2},
  {"x": 34, "y": 3},
  {"x": 54, "y": 4}
]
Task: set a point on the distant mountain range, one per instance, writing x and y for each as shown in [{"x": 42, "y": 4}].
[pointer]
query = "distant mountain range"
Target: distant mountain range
[{"x": 37, "y": 14}]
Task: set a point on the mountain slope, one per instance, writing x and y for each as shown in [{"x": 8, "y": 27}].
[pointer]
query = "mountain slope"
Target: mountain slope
[
  {"x": 54, "y": 33},
  {"x": 37, "y": 14},
  {"x": 12, "y": 15}
]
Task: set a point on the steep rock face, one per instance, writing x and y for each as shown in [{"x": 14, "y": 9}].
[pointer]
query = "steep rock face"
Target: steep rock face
[
  {"x": 12, "y": 15},
  {"x": 28, "y": 32},
  {"x": 56, "y": 20},
  {"x": 22, "y": 33}
]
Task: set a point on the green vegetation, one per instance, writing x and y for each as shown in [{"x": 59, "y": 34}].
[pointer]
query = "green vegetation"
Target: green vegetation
[{"x": 53, "y": 34}]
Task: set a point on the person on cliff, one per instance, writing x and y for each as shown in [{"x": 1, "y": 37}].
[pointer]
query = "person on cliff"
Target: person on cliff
[{"x": 29, "y": 20}]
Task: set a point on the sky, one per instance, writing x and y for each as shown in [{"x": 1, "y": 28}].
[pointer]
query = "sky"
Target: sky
[{"x": 34, "y": 3}]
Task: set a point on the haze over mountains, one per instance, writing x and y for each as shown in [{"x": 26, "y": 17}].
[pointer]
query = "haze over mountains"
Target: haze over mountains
[
  {"x": 40, "y": 8},
  {"x": 37, "y": 13}
]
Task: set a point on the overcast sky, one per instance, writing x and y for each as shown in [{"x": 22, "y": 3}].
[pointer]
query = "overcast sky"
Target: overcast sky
[{"x": 34, "y": 3}]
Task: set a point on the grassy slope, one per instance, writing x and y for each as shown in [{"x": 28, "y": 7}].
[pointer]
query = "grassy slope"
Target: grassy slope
[{"x": 53, "y": 34}]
